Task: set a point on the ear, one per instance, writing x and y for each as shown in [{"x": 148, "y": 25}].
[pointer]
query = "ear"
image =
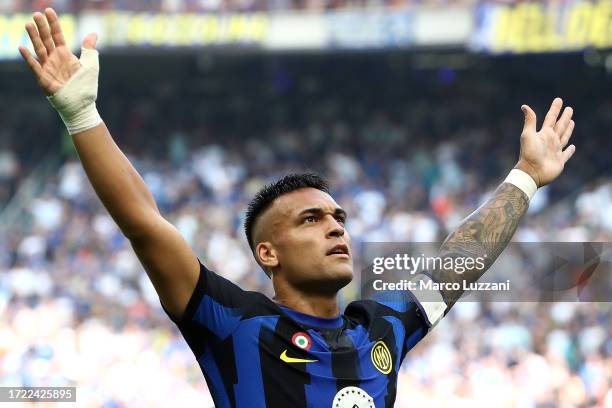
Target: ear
[{"x": 266, "y": 255}]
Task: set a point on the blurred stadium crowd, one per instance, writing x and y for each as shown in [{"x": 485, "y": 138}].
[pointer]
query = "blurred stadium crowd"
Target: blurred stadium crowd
[
  {"x": 202, "y": 6},
  {"x": 407, "y": 164}
]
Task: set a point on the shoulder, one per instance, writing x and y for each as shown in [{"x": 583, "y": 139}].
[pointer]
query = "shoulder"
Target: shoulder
[
  {"x": 400, "y": 305},
  {"x": 215, "y": 298}
]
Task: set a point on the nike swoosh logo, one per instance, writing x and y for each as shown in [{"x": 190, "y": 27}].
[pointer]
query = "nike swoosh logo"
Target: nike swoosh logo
[{"x": 288, "y": 359}]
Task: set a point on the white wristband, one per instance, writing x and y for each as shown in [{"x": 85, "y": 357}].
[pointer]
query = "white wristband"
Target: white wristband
[
  {"x": 76, "y": 100},
  {"x": 523, "y": 181}
]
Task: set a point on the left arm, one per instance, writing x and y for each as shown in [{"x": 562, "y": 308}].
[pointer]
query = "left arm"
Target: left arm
[
  {"x": 487, "y": 231},
  {"x": 484, "y": 234}
]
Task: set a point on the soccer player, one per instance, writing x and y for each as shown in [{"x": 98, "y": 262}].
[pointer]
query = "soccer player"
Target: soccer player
[{"x": 298, "y": 350}]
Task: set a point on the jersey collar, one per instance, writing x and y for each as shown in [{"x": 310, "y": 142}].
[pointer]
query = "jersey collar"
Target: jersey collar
[{"x": 314, "y": 321}]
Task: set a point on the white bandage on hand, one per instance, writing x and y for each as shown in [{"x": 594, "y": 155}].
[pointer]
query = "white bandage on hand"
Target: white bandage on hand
[
  {"x": 76, "y": 100},
  {"x": 523, "y": 181}
]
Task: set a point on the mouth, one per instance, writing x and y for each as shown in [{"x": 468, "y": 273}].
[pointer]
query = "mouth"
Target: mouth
[{"x": 340, "y": 251}]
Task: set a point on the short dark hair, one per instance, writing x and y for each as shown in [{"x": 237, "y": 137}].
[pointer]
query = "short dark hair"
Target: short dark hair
[{"x": 270, "y": 192}]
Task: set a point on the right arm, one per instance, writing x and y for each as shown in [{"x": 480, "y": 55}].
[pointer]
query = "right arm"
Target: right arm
[{"x": 169, "y": 261}]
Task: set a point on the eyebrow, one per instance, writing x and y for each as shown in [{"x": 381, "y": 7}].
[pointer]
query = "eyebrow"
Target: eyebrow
[{"x": 319, "y": 211}]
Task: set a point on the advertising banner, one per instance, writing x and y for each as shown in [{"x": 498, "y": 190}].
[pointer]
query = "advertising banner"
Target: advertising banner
[{"x": 537, "y": 27}]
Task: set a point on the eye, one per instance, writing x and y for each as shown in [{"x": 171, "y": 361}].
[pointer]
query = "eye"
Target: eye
[
  {"x": 341, "y": 219},
  {"x": 309, "y": 219}
]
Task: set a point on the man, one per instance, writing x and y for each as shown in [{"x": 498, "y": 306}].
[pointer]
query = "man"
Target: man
[{"x": 298, "y": 350}]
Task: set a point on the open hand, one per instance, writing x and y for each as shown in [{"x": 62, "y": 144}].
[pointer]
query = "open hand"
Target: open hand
[
  {"x": 56, "y": 63},
  {"x": 543, "y": 153}
]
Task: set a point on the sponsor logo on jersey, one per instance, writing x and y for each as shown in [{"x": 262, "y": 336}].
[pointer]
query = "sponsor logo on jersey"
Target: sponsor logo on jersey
[
  {"x": 352, "y": 397},
  {"x": 381, "y": 357},
  {"x": 284, "y": 357}
]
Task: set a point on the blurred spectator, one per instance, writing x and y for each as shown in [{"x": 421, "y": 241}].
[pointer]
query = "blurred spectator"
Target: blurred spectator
[{"x": 9, "y": 171}]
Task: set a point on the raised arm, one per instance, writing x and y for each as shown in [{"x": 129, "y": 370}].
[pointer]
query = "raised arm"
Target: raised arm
[
  {"x": 71, "y": 87},
  {"x": 488, "y": 230}
]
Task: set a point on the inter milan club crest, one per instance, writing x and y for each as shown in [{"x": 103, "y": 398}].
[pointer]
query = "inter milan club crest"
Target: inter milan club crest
[
  {"x": 353, "y": 397},
  {"x": 381, "y": 357},
  {"x": 302, "y": 340}
]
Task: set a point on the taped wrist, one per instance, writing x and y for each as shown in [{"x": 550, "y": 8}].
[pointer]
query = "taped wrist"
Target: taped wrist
[
  {"x": 523, "y": 181},
  {"x": 76, "y": 100}
]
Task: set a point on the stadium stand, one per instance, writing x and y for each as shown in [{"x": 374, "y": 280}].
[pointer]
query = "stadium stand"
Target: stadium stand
[
  {"x": 74, "y": 6},
  {"x": 409, "y": 152}
]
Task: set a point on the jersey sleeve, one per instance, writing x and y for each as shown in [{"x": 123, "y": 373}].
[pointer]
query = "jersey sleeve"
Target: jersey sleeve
[
  {"x": 419, "y": 310},
  {"x": 214, "y": 310},
  {"x": 428, "y": 299}
]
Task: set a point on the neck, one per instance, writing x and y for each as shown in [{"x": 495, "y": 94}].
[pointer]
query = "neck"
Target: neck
[{"x": 318, "y": 305}]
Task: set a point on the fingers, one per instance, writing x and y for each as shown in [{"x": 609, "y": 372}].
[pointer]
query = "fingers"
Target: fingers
[
  {"x": 564, "y": 121},
  {"x": 90, "y": 40},
  {"x": 530, "y": 119},
  {"x": 553, "y": 113},
  {"x": 565, "y": 137},
  {"x": 39, "y": 47},
  {"x": 44, "y": 32},
  {"x": 33, "y": 64},
  {"x": 56, "y": 28},
  {"x": 568, "y": 153}
]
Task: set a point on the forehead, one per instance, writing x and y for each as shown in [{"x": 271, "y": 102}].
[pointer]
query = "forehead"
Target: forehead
[{"x": 293, "y": 203}]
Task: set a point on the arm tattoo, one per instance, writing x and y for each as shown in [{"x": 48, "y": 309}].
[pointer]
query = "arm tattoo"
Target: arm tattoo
[{"x": 485, "y": 233}]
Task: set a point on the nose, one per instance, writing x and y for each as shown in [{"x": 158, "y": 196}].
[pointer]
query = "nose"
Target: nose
[{"x": 335, "y": 229}]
